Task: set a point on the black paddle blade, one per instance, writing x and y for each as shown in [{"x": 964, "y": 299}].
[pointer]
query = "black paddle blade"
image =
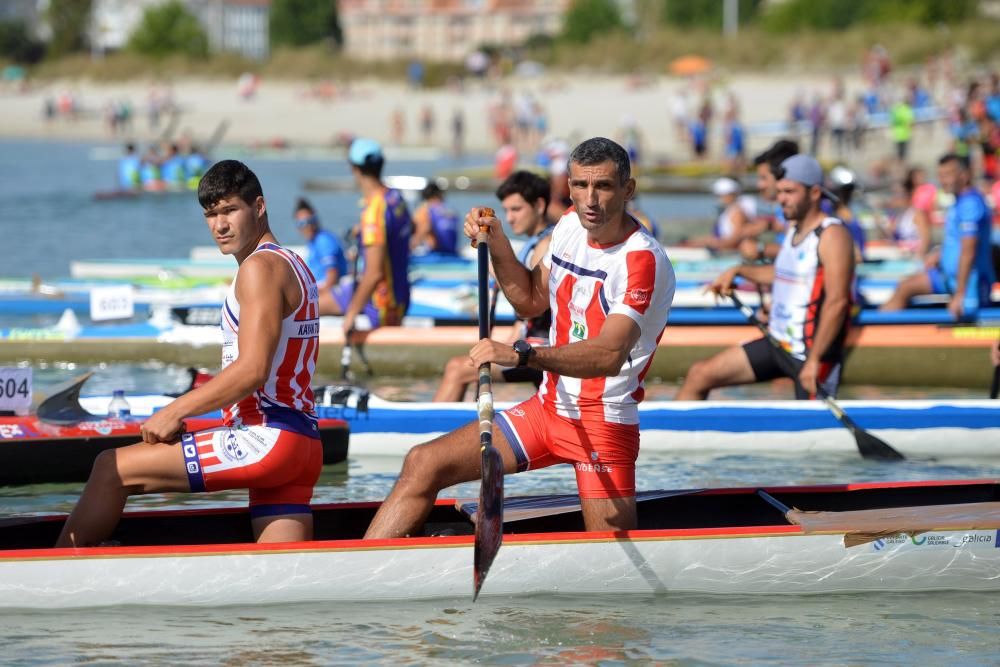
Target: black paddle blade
[
  {"x": 871, "y": 447},
  {"x": 489, "y": 521}
]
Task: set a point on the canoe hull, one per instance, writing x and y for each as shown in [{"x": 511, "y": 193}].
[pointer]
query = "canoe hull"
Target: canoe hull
[
  {"x": 712, "y": 541},
  {"x": 725, "y": 564}
]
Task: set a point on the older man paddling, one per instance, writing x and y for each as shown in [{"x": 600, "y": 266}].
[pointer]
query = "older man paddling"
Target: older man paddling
[
  {"x": 270, "y": 440},
  {"x": 609, "y": 285}
]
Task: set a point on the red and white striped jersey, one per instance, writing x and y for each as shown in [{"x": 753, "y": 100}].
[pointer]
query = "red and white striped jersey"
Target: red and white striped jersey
[
  {"x": 798, "y": 294},
  {"x": 587, "y": 283},
  {"x": 285, "y": 400}
]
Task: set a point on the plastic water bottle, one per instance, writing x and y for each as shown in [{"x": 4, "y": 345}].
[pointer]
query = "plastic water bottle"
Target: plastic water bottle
[{"x": 118, "y": 407}]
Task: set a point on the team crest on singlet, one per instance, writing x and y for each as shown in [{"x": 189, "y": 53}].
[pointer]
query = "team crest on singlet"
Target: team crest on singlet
[{"x": 579, "y": 331}]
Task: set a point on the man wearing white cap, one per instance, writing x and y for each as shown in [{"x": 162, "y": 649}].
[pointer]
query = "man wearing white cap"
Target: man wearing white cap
[
  {"x": 382, "y": 291},
  {"x": 735, "y": 212},
  {"x": 811, "y": 295}
]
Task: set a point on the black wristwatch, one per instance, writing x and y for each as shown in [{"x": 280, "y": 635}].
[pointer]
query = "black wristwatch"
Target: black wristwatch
[{"x": 524, "y": 350}]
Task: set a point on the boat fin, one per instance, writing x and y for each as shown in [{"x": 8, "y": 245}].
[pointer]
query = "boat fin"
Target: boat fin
[{"x": 63, "y": 405}]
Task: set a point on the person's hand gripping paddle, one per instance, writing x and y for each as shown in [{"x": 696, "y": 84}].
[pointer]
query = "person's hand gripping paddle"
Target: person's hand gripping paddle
[{"x": 489, "y": 519}]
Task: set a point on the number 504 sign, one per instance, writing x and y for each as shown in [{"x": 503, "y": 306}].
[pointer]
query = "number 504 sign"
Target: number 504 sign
[{"x": 15, "y": 388}]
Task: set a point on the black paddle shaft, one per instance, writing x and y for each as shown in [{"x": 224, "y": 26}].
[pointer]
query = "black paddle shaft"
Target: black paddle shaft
[
  {"x": 869, "y": 446},
  {"x": 489, "y": 523}
]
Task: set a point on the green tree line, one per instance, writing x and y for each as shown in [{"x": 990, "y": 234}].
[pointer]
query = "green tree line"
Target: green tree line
[{"x": 586, "y": 18}]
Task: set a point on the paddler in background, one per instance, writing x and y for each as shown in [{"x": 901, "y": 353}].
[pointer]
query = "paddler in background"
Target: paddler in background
[
  {"x": 435, "y": 226},
  {"x": 129, "y": 169}
]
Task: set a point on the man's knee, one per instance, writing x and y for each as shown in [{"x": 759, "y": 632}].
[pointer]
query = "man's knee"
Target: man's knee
[
  {"x": 420, "y": 469},
  {"x": 105, "y": 469},
  {"x": 698, "y": 374},
  {"x": 458, "y": 369}
]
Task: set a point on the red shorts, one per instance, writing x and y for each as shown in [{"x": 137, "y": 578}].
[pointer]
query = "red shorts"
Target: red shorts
[
  {"x": 602, "y": 453},
  {"x": 279, "y": 467}
]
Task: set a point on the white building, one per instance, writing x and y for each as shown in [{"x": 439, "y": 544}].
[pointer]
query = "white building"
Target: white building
[{"x": 240, "y": 26}]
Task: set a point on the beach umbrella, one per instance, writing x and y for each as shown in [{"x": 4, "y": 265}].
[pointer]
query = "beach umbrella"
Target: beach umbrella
[{"x": 689, "y": 65}]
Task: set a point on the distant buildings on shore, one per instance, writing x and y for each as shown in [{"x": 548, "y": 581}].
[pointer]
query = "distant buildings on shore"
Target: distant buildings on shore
[
  {"x": 442, "y": 30},
  {"x": 239, "y": 26}
]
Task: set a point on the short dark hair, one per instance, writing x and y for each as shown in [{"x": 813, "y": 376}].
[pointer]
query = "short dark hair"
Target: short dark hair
[
  {"x": 962, "y": 160},
  {"x": 529, "y": 185},
  {"x": 226, "y": 179},
  {"x": 780, "y": 150},
  {"x": 597, "y": 150},
  {"x": 432, "y": 191},
  {"x": 372, "y": 166},
  {"x": 302, "y": 204}
]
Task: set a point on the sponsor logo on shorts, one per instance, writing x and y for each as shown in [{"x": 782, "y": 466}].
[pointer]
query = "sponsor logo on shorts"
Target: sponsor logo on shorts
[
  {"x": 593, "y": 467},
  {"x": 10, "y": 431},
  {"x": 232, "y": 447}
]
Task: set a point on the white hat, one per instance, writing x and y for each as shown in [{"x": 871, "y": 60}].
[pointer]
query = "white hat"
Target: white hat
[{"x": 725, "y": 186}]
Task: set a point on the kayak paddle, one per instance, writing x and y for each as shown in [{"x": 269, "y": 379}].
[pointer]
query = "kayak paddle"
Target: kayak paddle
[
  {"x": 869, "y": 446},
  {"x": 489, "y": 522}
]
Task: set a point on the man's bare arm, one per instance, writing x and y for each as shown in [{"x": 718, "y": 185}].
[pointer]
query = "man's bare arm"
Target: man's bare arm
[
  {"x": 601, "y": 356},
  {"x": 260, "y": 289},
  {"x": 836, "y": 252}
]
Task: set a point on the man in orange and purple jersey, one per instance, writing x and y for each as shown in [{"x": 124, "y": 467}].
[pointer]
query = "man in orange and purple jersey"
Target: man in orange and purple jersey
[{"x": 382, "y": 291}]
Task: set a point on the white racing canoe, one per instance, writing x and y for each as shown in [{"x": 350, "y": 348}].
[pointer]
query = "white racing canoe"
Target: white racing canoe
[
  {"x": 853, "y": 538},
  {"x": 941, "y": 429}
]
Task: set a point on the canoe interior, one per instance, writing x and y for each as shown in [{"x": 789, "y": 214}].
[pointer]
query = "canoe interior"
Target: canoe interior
[
  {"x": 53, "y": 460},
  {"x": 730, "y": 508}
]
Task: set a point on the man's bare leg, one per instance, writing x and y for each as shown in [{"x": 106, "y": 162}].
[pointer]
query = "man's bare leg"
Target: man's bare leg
[
  {"x": 118, "y": 474},
  {"x": 727, "y": 368},
  {"x": 609, "y": 513},
  {"x": 327, "y": 304},
  {"x": 909, "y": 287},
  {"x": 283, "y": 528},
  {"x": 450, "y": 459},
  {"x": 459, "y": 373}
]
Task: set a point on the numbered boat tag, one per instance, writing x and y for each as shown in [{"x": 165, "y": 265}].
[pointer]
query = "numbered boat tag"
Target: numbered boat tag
[
  {"x": 15, "y": 389},
  {"x": 112, "y": 303}
]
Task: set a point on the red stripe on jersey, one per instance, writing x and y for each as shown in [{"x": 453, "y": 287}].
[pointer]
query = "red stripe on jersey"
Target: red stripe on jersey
[
  {"x": 564, "y": 294},
  {"x": 304, "y": 375},
  {"x": 592, "y": 389},
  {"x": 812, "y": 310},
  {"x": 283, "y": 391},
  {"x": 641, "y": 280},
  {"x": 640, "y": 391}
]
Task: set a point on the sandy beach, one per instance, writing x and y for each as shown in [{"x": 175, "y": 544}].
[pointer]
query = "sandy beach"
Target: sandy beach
[{"x": 294, "y": 113}]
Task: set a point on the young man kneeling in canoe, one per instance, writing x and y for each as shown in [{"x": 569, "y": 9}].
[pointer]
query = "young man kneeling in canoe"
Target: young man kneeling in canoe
[
  {"x": 270, "y": 439},
  {"x": 609, "y": 285}
]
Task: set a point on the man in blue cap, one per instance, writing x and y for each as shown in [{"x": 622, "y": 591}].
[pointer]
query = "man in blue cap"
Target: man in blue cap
[
  {"x": 811, "y": 295},
  {"x": 382, "y": 290}
]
